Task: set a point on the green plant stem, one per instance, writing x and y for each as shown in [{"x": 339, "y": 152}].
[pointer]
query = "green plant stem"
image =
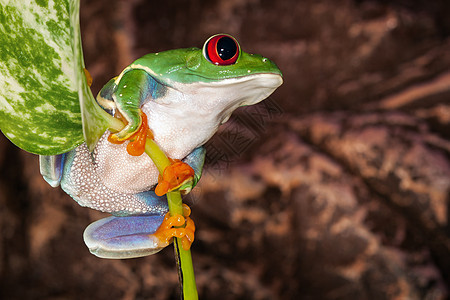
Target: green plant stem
[
  {"x": 184, "y": 259},
  {"x": 157, "y": 155}
]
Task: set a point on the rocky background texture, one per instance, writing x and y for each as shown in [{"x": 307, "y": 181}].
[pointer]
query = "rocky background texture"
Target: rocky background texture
[{"x": 336, "y": 187}]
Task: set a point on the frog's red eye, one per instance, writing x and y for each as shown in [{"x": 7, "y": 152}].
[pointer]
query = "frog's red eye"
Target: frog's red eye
[{"x": 221, "y": 49}]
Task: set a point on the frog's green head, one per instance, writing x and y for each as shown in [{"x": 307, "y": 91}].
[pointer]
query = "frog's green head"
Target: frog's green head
[
  {"x": 220, "y": 76},
  {"x": 221, "y": 58}
]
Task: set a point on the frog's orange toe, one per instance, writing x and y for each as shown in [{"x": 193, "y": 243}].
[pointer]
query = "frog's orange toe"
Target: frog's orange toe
[
  {"x": 188, "y": 238},
  {"x": 174, "y": 176},
  {"x": 171, "y": 227},
  {"x": 162, "y": 188},
  {"x": 136, "y": 146},
  {"x": 88, "y": 77}
]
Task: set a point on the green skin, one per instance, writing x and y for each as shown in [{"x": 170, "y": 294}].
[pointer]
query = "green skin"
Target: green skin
[{"x": 129, "y": 90}]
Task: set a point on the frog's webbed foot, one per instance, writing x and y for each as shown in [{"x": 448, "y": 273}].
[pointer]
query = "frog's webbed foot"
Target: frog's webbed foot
[
  {"x": 136, "y": 146},
  {"x": 172, "y": 226},
  {"x": 177, "y": 176},
  {"x": 137, "y": 236}
]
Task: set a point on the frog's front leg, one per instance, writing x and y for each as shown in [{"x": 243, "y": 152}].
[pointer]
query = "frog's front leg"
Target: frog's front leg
[{"x": 132, "y": 89}]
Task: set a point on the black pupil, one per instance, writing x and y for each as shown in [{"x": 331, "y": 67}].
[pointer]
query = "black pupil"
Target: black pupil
[{"x": 226, "y": 48}]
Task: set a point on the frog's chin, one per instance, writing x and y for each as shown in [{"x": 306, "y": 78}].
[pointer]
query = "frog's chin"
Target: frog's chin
[
  {"x": 224, "y": 96},
  {"x": 246, "y": 91},
  {"x": 256, "y": 88}
]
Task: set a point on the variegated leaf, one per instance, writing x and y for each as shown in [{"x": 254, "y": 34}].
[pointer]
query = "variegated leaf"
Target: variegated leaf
[{"x": 42, "y": 80}]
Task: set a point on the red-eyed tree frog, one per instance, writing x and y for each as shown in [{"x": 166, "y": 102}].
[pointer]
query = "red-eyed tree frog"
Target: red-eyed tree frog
[{"x": 183, "y": 95}]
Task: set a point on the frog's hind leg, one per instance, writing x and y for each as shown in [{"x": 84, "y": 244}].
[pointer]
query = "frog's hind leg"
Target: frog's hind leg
[
  {"x": 129, "y": 233},
  {"x": 124, "y": 237},
  {"x": 82, "y": 182},
  {"x": 136, "y": 236}
]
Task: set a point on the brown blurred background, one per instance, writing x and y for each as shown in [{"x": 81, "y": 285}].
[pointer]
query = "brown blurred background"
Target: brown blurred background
[{"x": 337, "y": 187}]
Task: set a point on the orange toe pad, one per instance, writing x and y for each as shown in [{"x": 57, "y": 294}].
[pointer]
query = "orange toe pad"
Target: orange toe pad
[
  {"x": 172, "y": 227},
  {"x": 173, "y": 177}
]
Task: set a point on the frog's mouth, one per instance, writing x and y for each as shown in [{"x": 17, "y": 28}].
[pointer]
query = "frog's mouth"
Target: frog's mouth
[{"x": 248, "y": 90}]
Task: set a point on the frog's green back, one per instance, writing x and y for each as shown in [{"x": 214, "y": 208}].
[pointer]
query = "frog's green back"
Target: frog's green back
[{"x": 39, "y": 107}]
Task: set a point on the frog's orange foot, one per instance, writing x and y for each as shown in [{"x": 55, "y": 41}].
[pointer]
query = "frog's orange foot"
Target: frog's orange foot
[
  {"x": 172, "y": 227},
  {"x": 136, "y": 146},
  {"x": 177, "y": 176},
  {"x": 88, "y": 77}
]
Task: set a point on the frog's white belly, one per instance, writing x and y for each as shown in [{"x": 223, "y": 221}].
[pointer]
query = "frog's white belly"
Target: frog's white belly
[
  {"x": 120, "y": 171},
  {"x": 177, "y": 135}
]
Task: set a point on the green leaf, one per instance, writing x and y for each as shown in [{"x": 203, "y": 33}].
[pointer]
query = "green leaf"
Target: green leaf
[{"x": 42, "y": 81}]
